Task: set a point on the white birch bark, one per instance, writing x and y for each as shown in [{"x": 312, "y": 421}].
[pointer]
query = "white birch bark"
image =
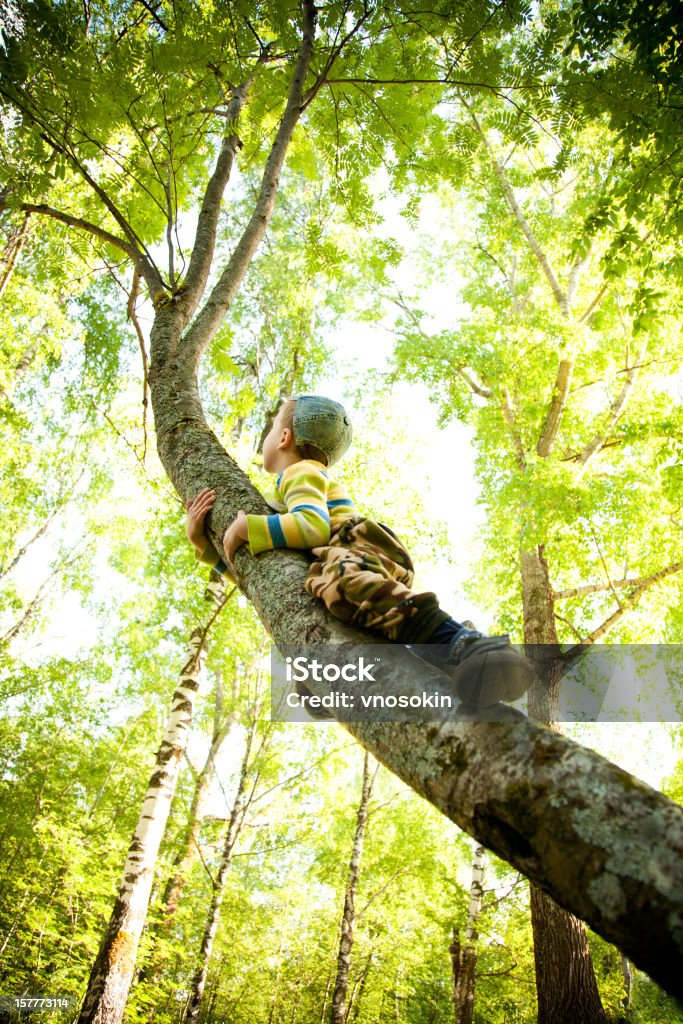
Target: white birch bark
[{"x": 464, "y": 957}]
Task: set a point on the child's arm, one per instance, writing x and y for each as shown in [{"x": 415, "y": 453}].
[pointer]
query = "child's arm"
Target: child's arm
[
  {"x": 197, "y": 511},
  {"x": 306, "y": 524}
]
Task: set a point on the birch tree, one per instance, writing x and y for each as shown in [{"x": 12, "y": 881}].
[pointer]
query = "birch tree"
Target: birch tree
[
  {"x": 189, "y": 852},
  {"x": 464, "y": 955}
]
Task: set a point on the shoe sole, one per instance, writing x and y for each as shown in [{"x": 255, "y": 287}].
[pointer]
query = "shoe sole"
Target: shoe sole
[{"x": 489, "y": 677}]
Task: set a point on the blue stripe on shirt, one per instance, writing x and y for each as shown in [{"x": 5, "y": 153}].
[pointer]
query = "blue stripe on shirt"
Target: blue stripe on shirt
[
  {"x": 312, "y": 508},
  {"x": 340, "y": 502},
  {"x": 276, "y": 534}
]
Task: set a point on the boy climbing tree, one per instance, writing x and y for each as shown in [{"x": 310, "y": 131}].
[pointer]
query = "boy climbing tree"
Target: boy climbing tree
[{"x": 361, "y": 572}]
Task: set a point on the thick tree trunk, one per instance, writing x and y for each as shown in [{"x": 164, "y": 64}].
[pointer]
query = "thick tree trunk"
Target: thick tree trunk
[
  {"x": 565, "y": 980},
  {"x": 341, "y": 986},
  {"x": 566, "y": 987},
  {"x": 112, "y": 972},
  {"x": 232, "y": 833},
  {"x": 464, "y": 958}
]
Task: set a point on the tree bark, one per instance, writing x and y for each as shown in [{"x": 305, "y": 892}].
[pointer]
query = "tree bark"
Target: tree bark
[
  {"x": 566, "y": 987},
  {"x": 341, "y": 985},
  {"x": 464, "y": 958},
  {"x": 112, "y": 971}
]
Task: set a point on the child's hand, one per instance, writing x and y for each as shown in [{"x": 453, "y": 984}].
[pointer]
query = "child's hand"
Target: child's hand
[
  {"x": 197, "y": 511},
  {"x": 235, "y": 535}
]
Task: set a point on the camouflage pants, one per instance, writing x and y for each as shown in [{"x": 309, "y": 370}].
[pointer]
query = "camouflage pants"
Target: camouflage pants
[{"x": 364, "y": 576}]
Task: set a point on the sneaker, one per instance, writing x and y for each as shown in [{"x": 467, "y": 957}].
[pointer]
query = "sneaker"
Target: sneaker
[{"x": 486, "y": 669}]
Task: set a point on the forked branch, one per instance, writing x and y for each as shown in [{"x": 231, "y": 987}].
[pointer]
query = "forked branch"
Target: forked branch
[{"x": 209, "y": 319}]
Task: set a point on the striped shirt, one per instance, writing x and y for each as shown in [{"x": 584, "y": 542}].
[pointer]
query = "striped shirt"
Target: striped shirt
[{"x": 308, "y": 506}]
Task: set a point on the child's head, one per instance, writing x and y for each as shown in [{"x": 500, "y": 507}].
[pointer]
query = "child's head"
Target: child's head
[{"x": 308, "y": 427}]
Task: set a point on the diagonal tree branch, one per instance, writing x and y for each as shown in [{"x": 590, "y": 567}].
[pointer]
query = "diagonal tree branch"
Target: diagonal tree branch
[
  {"x": 478, "y": 389},
  {"x": 593, "y": 304},
  {"x": 29, "y": 612},
  {"x": 61, "y": 503},
  {"x": 647, "y": 584},
  {"x": 616, "y": 409},
  {"x": 332, "y": 56},
  {"x": 466, "y": 375},
  {"x": 21, "y": 101},
  {"x": 534, "y": 244},
  {"x": 40, "y": 532},
  {"x": 12, "y": 251},
  {"x": 205, "y": 235},
  {"x": 594, "y": 588},
  {"x": 154, "y": 11},
  {"x": 82, "y": 225},
  {"x": 207, "y": 322},
  {"x": 556, "y": 409}
]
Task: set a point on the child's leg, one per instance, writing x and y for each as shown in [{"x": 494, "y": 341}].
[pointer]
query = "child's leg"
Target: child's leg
[
  {"x": 364, "y": 577},
  {"x": 484, "y": 669}
]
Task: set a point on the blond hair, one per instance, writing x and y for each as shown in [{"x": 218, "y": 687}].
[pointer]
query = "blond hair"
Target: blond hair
[{"x": 307, "y": 451}]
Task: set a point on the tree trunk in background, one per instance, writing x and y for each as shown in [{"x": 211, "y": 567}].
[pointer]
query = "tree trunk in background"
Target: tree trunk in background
[
  {"x": 341, "y": 985},
  {"x": 184, "y": 862},
  {"x": 189, "y": 851},
  {"x": 231, "y": 836},
  {"x": 328, "y": 985},
  {"x": 464, "y": 958},
  {"x": 112, "y": 971},
  {"x": 565, "y": 979},
  {"x": 566, "y": 987}
]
